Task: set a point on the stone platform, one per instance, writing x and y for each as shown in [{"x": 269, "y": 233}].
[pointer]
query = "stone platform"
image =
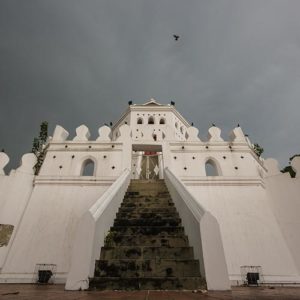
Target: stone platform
[{"x": 57, "y": 292}]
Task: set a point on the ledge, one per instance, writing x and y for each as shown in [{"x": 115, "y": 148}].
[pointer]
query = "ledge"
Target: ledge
[
  {"x": 75, "y": 180},
  {"x": 221, "y": 181}
]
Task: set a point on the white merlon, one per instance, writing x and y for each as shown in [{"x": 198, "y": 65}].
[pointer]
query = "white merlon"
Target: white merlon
[
  {"x": 82, "y": 134},
  {"x": 60, "y": 134}
]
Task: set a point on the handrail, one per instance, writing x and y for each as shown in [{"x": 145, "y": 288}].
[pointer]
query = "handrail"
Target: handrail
[
  {"x": 197, "y": 209},
  {"x": 108, "y": 195}
]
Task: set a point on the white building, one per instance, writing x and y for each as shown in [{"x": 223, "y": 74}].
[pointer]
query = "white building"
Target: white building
[{"x": 247, "y": 214}]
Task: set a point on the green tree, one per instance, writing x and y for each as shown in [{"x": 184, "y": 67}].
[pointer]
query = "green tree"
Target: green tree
[
  {"x": 38, "y": 146},
  {"x": 258, "y": 149},
  {"x": 289, "y": 168}
]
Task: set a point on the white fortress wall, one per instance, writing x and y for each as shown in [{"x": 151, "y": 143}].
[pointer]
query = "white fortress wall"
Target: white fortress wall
[
  {"x": 15, "y": 192},
  {"x": 284, "y": 199},
  {"x": 59, "y": 198},
  {"x": 239, "y": 200}
]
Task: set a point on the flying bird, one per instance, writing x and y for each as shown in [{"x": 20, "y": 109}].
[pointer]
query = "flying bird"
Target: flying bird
[{"x": 176, "y": 37}]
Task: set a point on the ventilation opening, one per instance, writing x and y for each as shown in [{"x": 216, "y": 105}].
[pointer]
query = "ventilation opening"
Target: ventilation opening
[
  {"x": 88, "y": 168},
  {"x": 44, "y": 273},
  {"x": 252, "y": 278},
  {"x": 252, "y": 275}
]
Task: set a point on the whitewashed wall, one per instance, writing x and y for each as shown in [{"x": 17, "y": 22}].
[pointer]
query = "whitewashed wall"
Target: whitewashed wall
[
  {"x": 284, "y": 199},
  {"x": 250, "y": 232},
  {"x": 15, "y": 192},
  {"x": 50, "y": 205}
]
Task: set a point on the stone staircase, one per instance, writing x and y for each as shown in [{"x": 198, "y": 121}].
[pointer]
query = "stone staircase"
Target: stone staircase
[{"x": 146, "y": 248}]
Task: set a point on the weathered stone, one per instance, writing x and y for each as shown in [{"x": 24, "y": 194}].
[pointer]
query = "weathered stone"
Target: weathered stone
[
  {"x": 147, "y": 248},
  {"x": 5, "y": 234}
]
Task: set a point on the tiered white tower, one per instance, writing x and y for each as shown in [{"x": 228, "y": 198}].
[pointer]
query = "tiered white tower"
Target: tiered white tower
[{"x": 239, "y": 212}]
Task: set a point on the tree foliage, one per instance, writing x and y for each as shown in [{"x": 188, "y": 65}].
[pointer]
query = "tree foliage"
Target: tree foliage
[
  {"x": 38, "y": 146},
  {"x": 258, "y": 149},
  {"x": 289, "y": 168}
]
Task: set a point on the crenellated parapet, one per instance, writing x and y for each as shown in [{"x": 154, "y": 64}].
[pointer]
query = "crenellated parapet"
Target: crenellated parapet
[
  {"x": 27, "y": 164},
  {"x": 4, "y": 160}
]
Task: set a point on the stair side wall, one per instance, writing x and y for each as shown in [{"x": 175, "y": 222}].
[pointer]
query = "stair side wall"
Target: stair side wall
[{"x": 250, "y": 232}]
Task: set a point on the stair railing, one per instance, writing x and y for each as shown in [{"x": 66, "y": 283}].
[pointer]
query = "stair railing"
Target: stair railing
[
  {"x": 203, "y": 232},
  {"x": 91, "y": 231}
]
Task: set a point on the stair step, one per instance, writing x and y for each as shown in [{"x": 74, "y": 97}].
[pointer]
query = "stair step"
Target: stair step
[
  {"x": 146, "y": 215},
  {"x": 147, "y": 222},
  {"x": 159, "y": 240},
  {"x": 159, "y": 200},
  {"x": 138, "y": 210},
  {"x": 126, "y": 268},
  {"x": 156, "y": 283},
  {"x": 147, "y": 193},
  {"x": 148, "y": 230},
  {"x": 145, "y": 252},
  {"x": 147, "y": 204}
]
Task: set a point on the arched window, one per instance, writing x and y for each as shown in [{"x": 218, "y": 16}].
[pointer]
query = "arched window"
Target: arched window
[
  {"x": 151, "y": 120},
  {"x": 140, "y": 121},
  {"x": 162, "y": 121},
  {"x": 88, "y": 168},
  {"x": 211, "y": 168},
  {"x": 176, "y": 125}
]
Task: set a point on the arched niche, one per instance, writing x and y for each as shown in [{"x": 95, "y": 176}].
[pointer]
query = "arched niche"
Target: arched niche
[
  {"x": 88, "y": 168},
  {"x": 162, "y": 121},
  {"x": 140, "y": 121},
  {"x": 151, "y": 120},
  {"x": 212, "y": 168}
]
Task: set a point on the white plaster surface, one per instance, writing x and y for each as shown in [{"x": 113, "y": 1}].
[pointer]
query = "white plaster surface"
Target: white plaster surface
[
  {"x": 283, "y": 198},
  {"x": 250, "y": 232}
]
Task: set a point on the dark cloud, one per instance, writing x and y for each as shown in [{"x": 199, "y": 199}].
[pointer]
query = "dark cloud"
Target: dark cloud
[{"x": 74, "y": 62}]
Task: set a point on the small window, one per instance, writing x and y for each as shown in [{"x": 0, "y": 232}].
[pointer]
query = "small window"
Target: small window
[
  {"x": 140, "y": 121},
  {"x": 162, "y": 121},
  {"x": 181, "y": 129},
  {"x": 88, "y": 168},
  {"x": 176, "y": 125},
  {"x": 211, "y": 168},
  {"x": 151, "y": 120}
]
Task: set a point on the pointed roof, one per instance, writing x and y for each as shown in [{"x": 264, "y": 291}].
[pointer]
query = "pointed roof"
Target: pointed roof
[
  {"x": 152, "y": 102},
  {"x": 153, "y": 106}
]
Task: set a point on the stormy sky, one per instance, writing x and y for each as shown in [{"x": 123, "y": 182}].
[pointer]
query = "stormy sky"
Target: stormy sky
[{"x": 80, "y": 62}]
